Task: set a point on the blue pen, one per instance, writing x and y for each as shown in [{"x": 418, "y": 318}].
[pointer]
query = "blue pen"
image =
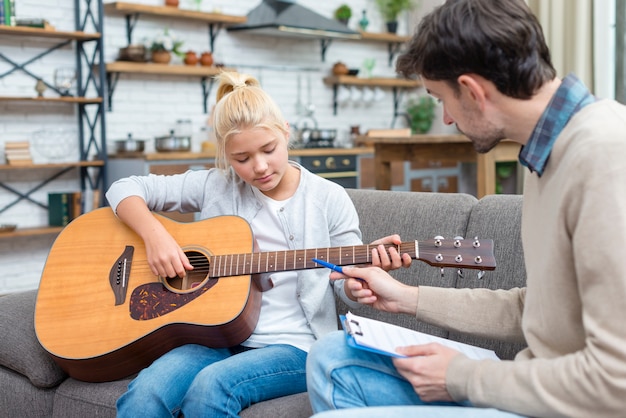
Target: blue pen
[
  {"x": 329, "y": 265},
  {"x": 332, "y": 267}
]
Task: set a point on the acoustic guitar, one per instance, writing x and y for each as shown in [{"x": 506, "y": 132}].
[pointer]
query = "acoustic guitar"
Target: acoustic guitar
[{"x": 102, "y": 314}]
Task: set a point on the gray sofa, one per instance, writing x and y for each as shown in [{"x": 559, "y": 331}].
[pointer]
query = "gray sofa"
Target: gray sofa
[{"x": 32, "y": 385}]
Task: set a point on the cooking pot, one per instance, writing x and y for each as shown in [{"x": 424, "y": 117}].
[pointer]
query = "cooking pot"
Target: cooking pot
[
  {"x": 316, "y": 138},
  {"x": 129, "y": 145},
  {"x": 172, "y": 143}
]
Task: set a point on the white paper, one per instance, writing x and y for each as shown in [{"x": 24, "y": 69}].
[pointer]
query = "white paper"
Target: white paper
[{"x": 385, "y": 338}]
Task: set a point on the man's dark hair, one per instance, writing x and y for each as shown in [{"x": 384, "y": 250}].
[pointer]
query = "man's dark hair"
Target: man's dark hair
[{"x": 500, "y": 40}]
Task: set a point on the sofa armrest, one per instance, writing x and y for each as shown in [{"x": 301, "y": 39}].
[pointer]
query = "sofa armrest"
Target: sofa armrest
[{"x": 20, "y": 350}]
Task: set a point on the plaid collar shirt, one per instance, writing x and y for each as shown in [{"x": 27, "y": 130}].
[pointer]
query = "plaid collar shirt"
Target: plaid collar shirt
[{"x": 570, "y": 97}]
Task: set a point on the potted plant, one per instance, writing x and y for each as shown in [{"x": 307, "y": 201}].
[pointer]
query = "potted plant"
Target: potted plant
[
  {"x": 420, "y": 114},
  {"x": 390, "y": 9},
  {"x": 343, "y": 13},
  {"x": 163, "y": 46}
]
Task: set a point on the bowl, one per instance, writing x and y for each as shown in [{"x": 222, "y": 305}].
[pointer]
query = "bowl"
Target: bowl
[
  {"x": 353, "y": 71},
  {"x": 134, "y": 53}
]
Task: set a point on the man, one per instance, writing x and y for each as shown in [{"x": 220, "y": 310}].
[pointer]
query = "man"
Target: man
[{"x": 487, "y": 62}]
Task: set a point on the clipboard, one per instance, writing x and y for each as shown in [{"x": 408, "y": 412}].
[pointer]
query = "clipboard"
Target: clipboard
[{"x": 382, "y": 338}]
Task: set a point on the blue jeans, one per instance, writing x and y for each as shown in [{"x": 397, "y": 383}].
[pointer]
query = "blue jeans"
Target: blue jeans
[
  {"x": 340, "y": 377},
  {"x": 198, "y": 381}
]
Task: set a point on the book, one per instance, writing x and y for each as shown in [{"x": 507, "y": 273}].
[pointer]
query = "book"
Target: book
[
  {"x": 383, "y": 338},
  {"x": 59, "y": 208},
  {"x": 9, "y": 12},
  {"x": 1, "y": 12},
  {"x": 32, "y": 22}
]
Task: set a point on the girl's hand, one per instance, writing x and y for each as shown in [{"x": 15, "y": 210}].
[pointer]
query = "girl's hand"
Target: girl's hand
[
  {"x": 165, "y": 257},
  {"x": 386, "y": 255}
]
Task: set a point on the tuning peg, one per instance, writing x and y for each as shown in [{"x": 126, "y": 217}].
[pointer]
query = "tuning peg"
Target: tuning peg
[
  {"x": 481, "y": 274},
  {"x": 457, "y": 241},
  {"x": 459, "y": 273},
  {"x": 438, "y": 240},
  {"x": 442, "y": 272},
  {"x": 476, "y": 242}
]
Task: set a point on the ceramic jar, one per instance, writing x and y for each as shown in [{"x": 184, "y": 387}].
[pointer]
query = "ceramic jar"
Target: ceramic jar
[
  {"x": 161, "y": 57},
  {"x": 340, "y": 68},
  {"x": 172, "y": 3},
  {"x": 206, "y": 59},
  {"x": 191, "y": 58}
]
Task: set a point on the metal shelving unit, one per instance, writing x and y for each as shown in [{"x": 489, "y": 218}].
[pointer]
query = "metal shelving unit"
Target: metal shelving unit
[{"x": 90, "y": 71}]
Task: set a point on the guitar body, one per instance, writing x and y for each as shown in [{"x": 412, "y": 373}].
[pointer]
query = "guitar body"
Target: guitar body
[{"x": 103, "y": 315}]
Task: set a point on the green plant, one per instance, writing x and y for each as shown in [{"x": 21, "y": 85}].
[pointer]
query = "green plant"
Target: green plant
[
  {"x": 166, "y": 41},
  {"x": 390, "y": 9},
  {"x": 343, "y": 13},
  {"x": 421, "y": 113}
]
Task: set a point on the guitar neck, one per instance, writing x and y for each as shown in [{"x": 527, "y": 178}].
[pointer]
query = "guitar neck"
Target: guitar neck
[{"x": 276, "y": 261}]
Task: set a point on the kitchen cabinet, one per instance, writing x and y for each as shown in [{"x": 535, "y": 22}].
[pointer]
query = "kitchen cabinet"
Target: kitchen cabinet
[
  {"x": 87, "y": 42},
  {"x": 132, "y": 12}
]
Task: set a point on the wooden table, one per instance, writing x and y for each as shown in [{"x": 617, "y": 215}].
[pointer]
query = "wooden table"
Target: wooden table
[{"x": 438, "y": 147}]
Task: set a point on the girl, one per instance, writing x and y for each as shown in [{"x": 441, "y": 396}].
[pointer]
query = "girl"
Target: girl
[{"x": 287, "y": 208}]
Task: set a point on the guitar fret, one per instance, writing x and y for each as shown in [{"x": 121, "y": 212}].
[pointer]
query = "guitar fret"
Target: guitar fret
[{"x": 237, "y": 270}]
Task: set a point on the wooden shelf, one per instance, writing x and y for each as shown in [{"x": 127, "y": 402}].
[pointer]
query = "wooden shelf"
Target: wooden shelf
[
  {"x": 47, "y": 33},
  {"x": 27, "y": 232},
  {"x": 162, "y": 69},
  {"x": 98, "y": 163},
  {"x": 383, "y": 37},
  {"x": 62, "y": 99},
  {"x": 172, "y": 12},
  {"x": 372, "y": 82}
]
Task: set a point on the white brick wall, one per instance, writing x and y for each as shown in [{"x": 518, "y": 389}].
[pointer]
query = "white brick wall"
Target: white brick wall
[{"x": 148, "y": 106}]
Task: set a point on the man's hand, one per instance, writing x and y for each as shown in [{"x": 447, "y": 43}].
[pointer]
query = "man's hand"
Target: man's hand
[
  {"x": 425, "y": 369},
  {"x": 375, "y": 287},
  {"x": 386, "y": 255}
]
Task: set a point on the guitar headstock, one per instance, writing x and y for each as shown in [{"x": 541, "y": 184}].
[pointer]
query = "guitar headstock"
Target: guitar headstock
[{"x": 458, "y": 252}]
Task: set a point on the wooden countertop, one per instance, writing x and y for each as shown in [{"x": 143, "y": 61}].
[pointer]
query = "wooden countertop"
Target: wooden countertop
[{"x": 301, "y": 152}]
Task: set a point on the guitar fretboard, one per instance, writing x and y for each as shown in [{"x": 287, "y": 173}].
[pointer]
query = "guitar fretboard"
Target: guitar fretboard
[{"x": 275, "y": 261}]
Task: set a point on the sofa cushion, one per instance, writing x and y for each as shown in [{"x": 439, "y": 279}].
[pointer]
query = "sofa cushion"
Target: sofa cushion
[
  {"x": 497, "y": 217},
  {"x": 79, "y": 399},
  {"x": 19, "y": 348},
  {"x": 19, "y": 398}
]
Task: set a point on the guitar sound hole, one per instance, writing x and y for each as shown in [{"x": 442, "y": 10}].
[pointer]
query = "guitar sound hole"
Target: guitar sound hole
[{"x": 195, "y": 277}]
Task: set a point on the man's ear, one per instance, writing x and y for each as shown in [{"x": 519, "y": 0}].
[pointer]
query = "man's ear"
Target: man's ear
[{"x": 474, "y": 88}]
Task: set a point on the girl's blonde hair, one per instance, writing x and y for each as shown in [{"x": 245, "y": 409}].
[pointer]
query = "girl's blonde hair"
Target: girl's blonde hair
[{"x": 242, "y": 104}]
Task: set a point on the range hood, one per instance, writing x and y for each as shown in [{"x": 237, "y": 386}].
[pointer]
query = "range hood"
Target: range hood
[{"x": 287, "y": 18}]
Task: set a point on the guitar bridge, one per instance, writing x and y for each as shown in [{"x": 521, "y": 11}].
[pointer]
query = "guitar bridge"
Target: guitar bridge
[{"x": 119, "y": 274}]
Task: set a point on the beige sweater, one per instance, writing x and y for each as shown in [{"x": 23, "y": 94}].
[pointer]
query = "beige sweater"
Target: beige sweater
[{"x": 573, "y": 309}]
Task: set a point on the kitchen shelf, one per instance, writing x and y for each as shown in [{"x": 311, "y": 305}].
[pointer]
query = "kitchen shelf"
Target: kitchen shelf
[
  {"x": 62, "y": 168},
  {"x": 96, "y": 163},
  {"x": 162, "y": 69},
  {"x": 397, "y": 85},
  {"x": 62, "y": 99},
  {"x": 132, "y": 11},
  {"x": 47, "y": 33},
  {"x": 350, "y": 80},
  {"x": 114, "y": 69},
  {"x": 29, "y": 232}
]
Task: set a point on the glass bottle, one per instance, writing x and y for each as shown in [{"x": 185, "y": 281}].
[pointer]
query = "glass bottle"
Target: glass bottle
[{"x": 364, "y": 22}]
